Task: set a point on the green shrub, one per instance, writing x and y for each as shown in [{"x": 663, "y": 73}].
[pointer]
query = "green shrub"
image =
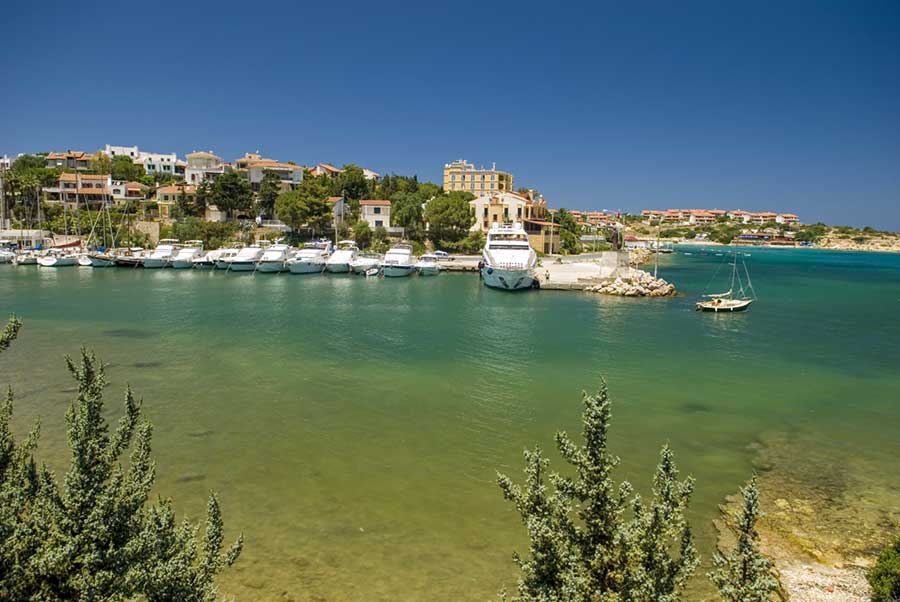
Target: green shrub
[{"x": 884, "y": 577}]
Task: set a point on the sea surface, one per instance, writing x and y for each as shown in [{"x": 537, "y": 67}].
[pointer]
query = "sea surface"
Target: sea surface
[{"x": 353, "y": 427}]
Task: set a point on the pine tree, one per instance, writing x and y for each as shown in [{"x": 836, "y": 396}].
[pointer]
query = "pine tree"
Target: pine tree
[
  {"x": 745, "y": 575},
  {"x": 584, "y": 547},
  {"x": 96, "y": 537}
]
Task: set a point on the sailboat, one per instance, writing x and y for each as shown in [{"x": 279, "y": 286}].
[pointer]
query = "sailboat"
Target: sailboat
[{"x": 730, "y": 301}]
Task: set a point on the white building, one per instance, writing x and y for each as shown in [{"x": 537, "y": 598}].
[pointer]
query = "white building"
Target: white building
[
  {"x": 501, "y": 207},
  {"x": 376, "y": 212},
  {"x": 153, "y": 163},
  {"x": 371, "y": 175},
  {"x": 202, "y": 166},
  {"x": 6, "y": 162}
]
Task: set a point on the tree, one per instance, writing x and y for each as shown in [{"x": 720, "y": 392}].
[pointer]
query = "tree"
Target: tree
[
  {"x": 745, "y": 575},
  {"x": 269, "y": 189},
  {"x": 202, "y": 198},
  {"x": 307, "y": 205},
  {"x": 185, "y": 203},
  {"x": 406, "y": 212},
  {"x": 582, "y": 544},
  {"x": 449, "y": 216},
  {"x": 352, "y": 183},
  {"x": 569, "y": 232},
  {"x": 95, "y": 537},
  {"x": 290, "y": 207},
  {"x": 884, "y": 577},
  {"x": 231, "y": 193},
  {"x": 362, "y": 234}
]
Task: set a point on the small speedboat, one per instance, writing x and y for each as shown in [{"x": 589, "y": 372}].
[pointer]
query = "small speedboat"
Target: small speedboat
[
  {"x": 6, "y": 256},
  {"x": 26, "y": 258},
  {"x": 428, "y": 266}
]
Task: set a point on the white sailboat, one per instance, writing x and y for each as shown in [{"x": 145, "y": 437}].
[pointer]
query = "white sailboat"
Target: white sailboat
[
  {"x": 730, "y": 301},
  {"x": 508, "y": 261},
  {"x": 398, "y": 261}
]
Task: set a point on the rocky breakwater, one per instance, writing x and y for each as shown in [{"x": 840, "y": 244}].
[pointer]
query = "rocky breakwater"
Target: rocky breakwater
[{"x": 637, "y": 284}]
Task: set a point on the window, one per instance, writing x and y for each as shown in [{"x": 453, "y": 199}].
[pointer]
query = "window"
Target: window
[
  {"x": 493, "y": 177},
  {"x": 506, "y": 213},
  {"x": 379, "y": 223},
  {"x": 376, "y": 210},
  {"x": 452, "y": 177},
  {"x": 472, "y": 186},
  {"x": 492, "y": 185},
  {"x": 485, "y": 211}
]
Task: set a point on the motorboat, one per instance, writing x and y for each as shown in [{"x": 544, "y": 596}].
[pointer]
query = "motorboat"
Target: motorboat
[
  {"x": 84, "y": 261},
  {"x": 398, "y": 261},
  {"x": 246, "y": 259},
  {"x": 207, "y": 261},
  {"x": 57, "y": 258},
  {"x": 25, "y": 258},
  {"x": 310, "y": 259},
  {"x": 186, "y": 255},
  {"x": 226, "y": 255},
  {"x": 274, "y": 258},
  {"x": 340, "y": 260},
  {"x": 6, "y": 256},
  {"x": 731, "y": 300},
  {"x": 428, "y": 266},
  {"x": 508, "y": 261},
  {"x": 162, "y": 254},
  {"x": 363, "y": 263}
]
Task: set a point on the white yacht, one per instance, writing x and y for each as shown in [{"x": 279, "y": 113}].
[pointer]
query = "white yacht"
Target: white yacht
[
  {"x": 508, "y": 261},
  {"x": 207, "y": 261},
  {"x": 340, "y": 260},
  {"x": 185, "y": 256},
  {"x": 25, "y": 258},
  {"x": 428, "y": 266},
  {"x": 310, "y": 259},
  {"x": 364, "y": 263},
  {"x": 6, "y": 256},
  {"x": 274, "y": 258},
  {"x": 57, "y": 258},
  {"x": 162, "y": 254},
  {"x": 246, "y": 259},
  {"x": 398, "y": 261}
]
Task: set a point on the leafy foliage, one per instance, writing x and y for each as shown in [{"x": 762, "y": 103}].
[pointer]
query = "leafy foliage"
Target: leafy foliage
[
  {"x": 213, "y": 234},
  {"x": 95, "y": 537},
  {"x": 307, "y": 205},
  {"x": 745, "y": 575},
  {"x": 231, "y": 193},
  {"x": 582, "y": 545},
  {"x": 9, "y": 333},
  {"x": 884, "y": 577},
  {"x": 269, "y": 189},
  {"x": 362, "y": 234},
  {"x": 449, "y": 217},
  {"x": 352, "y": 183}
]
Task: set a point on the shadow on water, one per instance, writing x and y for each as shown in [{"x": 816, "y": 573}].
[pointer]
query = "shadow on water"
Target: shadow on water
[
  {"x": 147, "y": 364},
  {"x": 128, "y": 333}
]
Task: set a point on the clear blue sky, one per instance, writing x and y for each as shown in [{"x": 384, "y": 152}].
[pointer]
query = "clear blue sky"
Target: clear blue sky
[{"x": 783, "y": 106}]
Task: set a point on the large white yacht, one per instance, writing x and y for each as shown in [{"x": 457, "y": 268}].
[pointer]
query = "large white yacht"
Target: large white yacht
[
  {"x": 340, "y": 260},
  {"x": 226, "y": 255},
  {"x": 508, "y": 261},
  {"x": 398, "y": 261},
  {"x": 274, "y": 258},
  {"x": 185, "y": 256},
  {"x": 162, "y": 254},
  {"x": 246, "y": 259},
  {"x": 310, "y": 259}
]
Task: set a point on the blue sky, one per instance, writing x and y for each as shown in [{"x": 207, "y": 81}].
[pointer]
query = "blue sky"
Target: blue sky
[{"x": 783, "y": 106}]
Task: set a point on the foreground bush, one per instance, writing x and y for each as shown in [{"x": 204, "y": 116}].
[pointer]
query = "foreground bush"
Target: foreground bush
[
  {"x": 95, "y": 536},
  {"x": 884, "y": 577}
]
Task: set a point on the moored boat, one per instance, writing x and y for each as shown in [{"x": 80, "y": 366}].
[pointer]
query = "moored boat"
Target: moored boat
[
  {"x": 398, "y": 261},
  {"x": 274, "y": 258},
  {"x": 339, "y": 261},
  {"x": 184, "y": 257},
  {"x": 162, "y": 254},
  {"x": 310, "y": 259},
  {"x": 508, "y": 261},
  {"x": 730, "y": 301},
  {"x": 57, "y": 258},
  {"x": 363, "y": 263},
  {"x": 245, "y": 260},
  {"x": 428, "y": 266}
]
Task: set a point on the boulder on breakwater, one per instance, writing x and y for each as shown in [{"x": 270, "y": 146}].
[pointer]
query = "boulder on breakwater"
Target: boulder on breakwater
[{"x": 639, "y": 284}]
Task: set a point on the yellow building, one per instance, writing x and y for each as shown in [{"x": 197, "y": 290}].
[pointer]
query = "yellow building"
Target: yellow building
[{"x": 461, "y": 175}]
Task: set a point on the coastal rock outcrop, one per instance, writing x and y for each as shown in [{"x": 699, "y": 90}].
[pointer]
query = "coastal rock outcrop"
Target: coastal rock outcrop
[{"x": 637, "y": 284}]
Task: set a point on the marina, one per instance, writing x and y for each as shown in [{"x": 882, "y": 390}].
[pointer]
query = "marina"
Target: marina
[{"x": 346, "y": 443}]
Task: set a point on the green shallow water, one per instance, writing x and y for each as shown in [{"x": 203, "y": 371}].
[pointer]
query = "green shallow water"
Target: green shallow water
[{"x": 353, "y": 427}]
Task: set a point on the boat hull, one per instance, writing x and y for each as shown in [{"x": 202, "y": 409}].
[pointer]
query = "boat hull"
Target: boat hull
[
  {"x": 724, "y": 308},
  {"x": 24, "y": 261},
  {"x": 338, "y": 268},
  {"x": 508, "y": 280},
  {"x": 57, "y": 262},
  {"x": 155, "y": 263},
  {"x": 306, "y": 267},
  {"x": 203, "y": 264},
  {"x": 101, "y": 261},
  {"x": 428, "y": 270},
  {"x": 182, "y": 264},
  {"x": 397, "y": 271},
  {"x": 270, "y": 267},
  {"x": 129, "y": 262},
  {"x": 6, "y": 258},
  {"x": 242, "y": 266}
]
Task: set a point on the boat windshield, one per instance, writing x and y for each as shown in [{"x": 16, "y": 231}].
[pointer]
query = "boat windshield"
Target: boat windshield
[{"x": 508, "y": 246}]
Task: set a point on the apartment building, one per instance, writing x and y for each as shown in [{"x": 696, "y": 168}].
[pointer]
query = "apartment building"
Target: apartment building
[
  {"x": 77, "y": 160},
  {"x": 503, "y": 207},
  {"x": 80, "y": 188},
  {"x": 376, "y": 212},
  {"x": 202, "y": 166},
  {"x": 256, "y": 167},
  {"x": 153, "y": 163},
  {"x": 461, "y": 175}
]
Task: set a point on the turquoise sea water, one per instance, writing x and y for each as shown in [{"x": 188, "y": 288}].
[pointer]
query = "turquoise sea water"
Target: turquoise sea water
[{"x": 353, "y": 426}]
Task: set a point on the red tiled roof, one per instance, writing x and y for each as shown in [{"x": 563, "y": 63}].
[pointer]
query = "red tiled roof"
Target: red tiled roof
[
  {"x": 375, "y": 202},
  {"x": 334, "y": 199}
]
